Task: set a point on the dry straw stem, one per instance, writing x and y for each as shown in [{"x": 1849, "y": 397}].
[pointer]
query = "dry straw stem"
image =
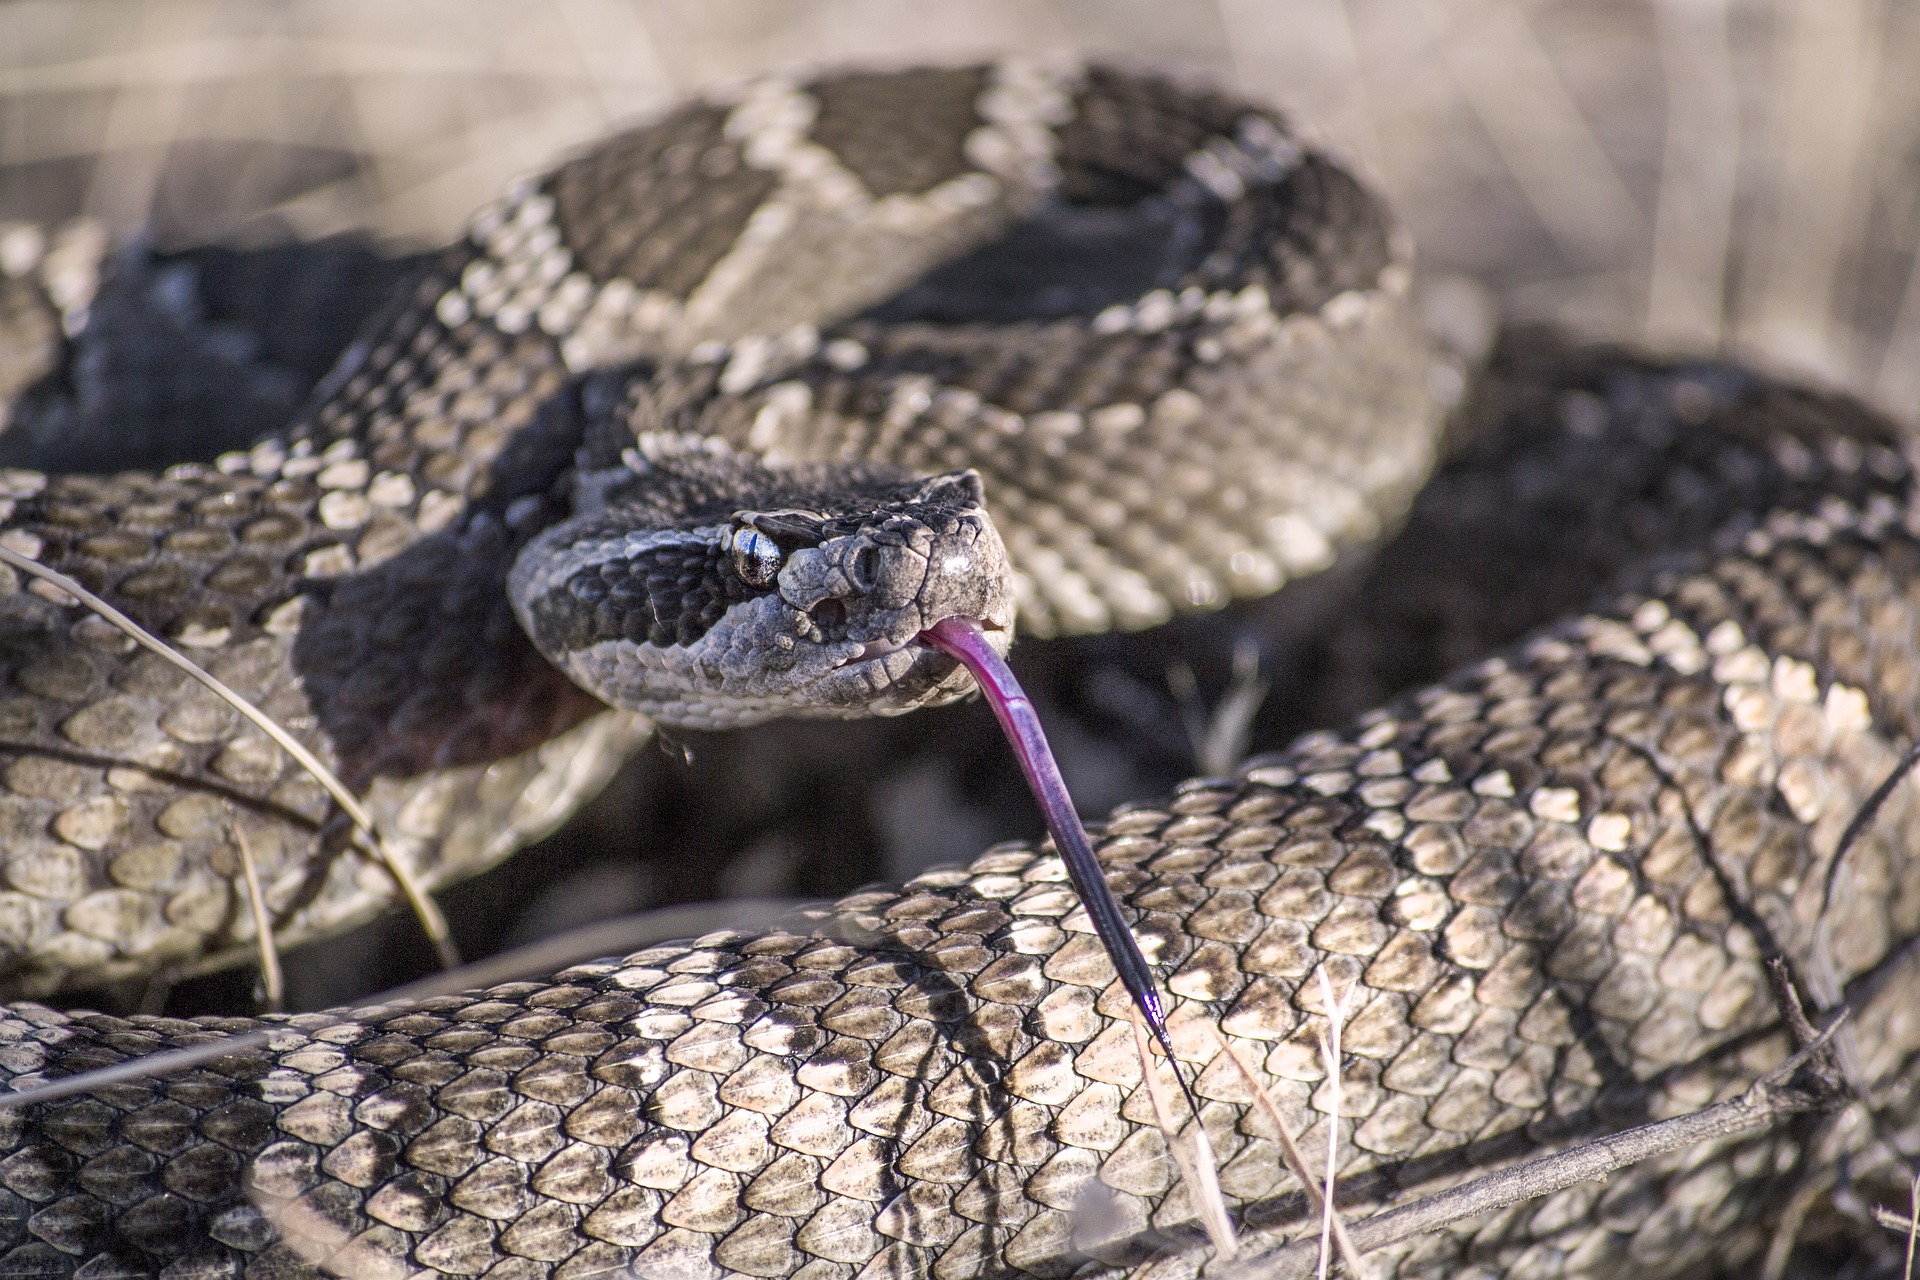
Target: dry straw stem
[
  {"x": 620, "y": 936},
  {"x": 1330, "y": 1051},
  {"x": 428, "y": 912},
  {"x": 1911, "y": 1226},
  {"x": 272, "y": 983},
  {"x": 141, "y": 1068},
  {"x": 1296, "y": 1162},
  {"x": 1893, "y": 1221},
  {"x": 1763, "y": 1103},
  {"x": 1517, "y": 93},
  {"x": 1196, "y": 1167},
  {"x": 1786, "y": 1227},
  {"x": 1693, "y": 222},
  {"x": 328, "y": 1245},
  {"x": 1219, "y": 737}
]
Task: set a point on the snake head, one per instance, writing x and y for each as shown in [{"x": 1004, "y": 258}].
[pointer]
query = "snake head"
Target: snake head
[{"x": 719, "y": 592}]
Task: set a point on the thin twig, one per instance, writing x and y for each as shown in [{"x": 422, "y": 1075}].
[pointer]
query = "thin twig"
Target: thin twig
[
  {"x": 428, "y": 912},
  {"x": 272, "y": 983},
  {"x": 1863, "y": 821},
  {"x": 1296, "y": 1162},
  {"x": 1822, "y": 969},
  {"x": 1786, "y": 998},
  {"x": 141, "y": 1068},
  {"x": 1760, "y": 1105},
  {"x": 1197, "y": 1168}
]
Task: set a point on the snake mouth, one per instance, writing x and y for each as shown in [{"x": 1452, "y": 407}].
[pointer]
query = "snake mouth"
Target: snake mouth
[
  {"x": 918, "y": 642},
  {"x": 1001, "y": 636},
  {"x": 883, "y": 648}
]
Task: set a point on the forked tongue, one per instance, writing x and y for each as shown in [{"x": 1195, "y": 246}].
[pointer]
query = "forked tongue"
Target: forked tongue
[{"x": 962, "y": 640}]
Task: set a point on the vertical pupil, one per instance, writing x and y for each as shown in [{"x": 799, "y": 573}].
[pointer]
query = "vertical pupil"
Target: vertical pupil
[{"x": 756, "y": 556}]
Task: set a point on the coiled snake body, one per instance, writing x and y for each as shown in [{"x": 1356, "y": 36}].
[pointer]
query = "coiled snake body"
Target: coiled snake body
[{"x": 1176, "y": 346}]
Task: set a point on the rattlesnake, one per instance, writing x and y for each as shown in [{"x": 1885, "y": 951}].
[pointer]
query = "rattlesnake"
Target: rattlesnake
[{"x": 1553, "y": 877}]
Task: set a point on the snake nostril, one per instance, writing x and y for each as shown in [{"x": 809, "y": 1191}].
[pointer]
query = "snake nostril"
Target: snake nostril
[
  {"x": 829, "y": 615},
  {"x": 864, "y": 569}
]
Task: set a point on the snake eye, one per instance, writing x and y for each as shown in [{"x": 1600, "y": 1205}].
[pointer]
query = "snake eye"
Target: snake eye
[{"x": 756, "y": 557}]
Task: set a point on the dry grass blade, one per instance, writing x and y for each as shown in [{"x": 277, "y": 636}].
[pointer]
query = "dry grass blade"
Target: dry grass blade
[
  {"x": 1330, "y": 1051},
  {"x": 616, "y": 937},
  {"x": 1296, "y": 1162},
  {"x": 272, "y": 982},
  {"x": 1898, "y": 386},
  {"x": 1786, "y": 1229},
  {"x": 328, "y": 1245},
  {"x": 431, "y": 920},
  {"x": 1823, "y": 112},
  {"x": 1907, "y": 1226},
  {"x": 1513, "y": 87},
  {"x": 141, "y": 1068},
  {"x": 1197, "y": 1168},
  {"x": 1699, "y": 177},
  {"x": 1220, "y": 736}
]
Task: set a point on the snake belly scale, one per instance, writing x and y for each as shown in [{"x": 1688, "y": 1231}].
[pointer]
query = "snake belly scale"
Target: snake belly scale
[{"x": 1553, "y": 878}]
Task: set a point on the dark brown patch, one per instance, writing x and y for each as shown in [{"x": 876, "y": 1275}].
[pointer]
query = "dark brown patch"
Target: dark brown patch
[
  {"x": 1316, "y": 233},
  {"x": 660, "y": 205},
  {"x": 902, "y": 132},
  {"x": 1130, "y": 135}
]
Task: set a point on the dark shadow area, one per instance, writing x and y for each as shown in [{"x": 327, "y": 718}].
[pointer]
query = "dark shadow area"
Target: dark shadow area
[{"x": 187, "y": 355}]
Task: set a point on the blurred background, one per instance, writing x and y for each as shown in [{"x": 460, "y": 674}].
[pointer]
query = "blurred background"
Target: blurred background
[
  {"x": 1735, "y": 175},
  {"x": 1731, "y": 177}
]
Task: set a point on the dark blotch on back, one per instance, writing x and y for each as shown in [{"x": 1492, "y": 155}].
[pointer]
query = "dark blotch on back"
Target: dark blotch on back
[
  {"x": 1130, "y": 135},
  {"x": 1129, "y": 218},
  {"x": 659, "y": 205},
  {"x": 1315, "y": 234},
  {"x": 1048, "y": 367},
  {"x": 903, "y": 132}
]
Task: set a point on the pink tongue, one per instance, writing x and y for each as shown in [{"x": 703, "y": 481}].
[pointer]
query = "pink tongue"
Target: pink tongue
[{"x": 962, "y": 640}]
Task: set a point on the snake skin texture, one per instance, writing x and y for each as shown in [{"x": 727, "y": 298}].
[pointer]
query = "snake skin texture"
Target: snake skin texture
[
  {"x": 1552, "y": 879},
  {"x": 349, "y": 578}
]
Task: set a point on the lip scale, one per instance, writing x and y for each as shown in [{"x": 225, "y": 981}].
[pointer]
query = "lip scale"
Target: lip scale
[{"x": 962, "y": 640}]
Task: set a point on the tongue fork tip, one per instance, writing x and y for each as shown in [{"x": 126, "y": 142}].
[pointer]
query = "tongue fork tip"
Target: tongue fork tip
[{"x": 963, "y": 640}]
